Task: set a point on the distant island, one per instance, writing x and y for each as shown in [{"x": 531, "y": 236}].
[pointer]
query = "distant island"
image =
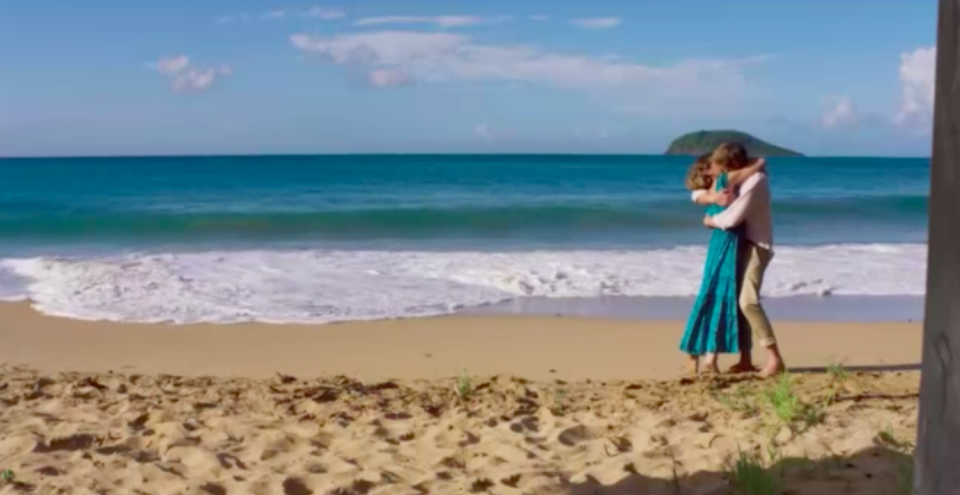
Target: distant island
[{"x": 698, "y": 143}]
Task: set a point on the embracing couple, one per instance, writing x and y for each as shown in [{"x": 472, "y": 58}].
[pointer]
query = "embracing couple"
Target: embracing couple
[{"x": 727, "y": 312}]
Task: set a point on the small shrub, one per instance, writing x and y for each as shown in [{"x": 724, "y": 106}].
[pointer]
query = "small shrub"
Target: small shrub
[
  {"x": 749, "y": 476},
  {"x": 838, "y": 372},
  {"x": 741, "y": 400},
  {"x": 464, "y": 386},
  {"x": 831, "y": 396},
  {"x": 888, "y": 439},
  {"x": 812, "y": 415},
  {"x": 789, "y": 408},
  {"x": 559, "y": 407},
  {"x": 774, "y": 455},
  {"x": 786, "y": 404}
]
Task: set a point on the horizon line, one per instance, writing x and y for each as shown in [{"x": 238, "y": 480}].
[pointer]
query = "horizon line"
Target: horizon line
[{"x": 371, "y": 154}]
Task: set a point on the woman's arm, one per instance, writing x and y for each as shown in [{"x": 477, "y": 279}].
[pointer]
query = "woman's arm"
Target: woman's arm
[
  {"x": 737, "y": 177},
  {"x": 702, "y": 197},
  {"x": 707, "y": 197}
]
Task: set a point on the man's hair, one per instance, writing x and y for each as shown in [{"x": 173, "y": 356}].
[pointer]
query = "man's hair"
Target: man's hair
[
  {"x": 697, "y": 177},
  {"x": 730, "y": 156}
]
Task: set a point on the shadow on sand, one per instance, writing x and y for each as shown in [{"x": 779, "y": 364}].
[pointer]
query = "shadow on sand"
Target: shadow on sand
[
  {"x": 882, "y": 368},
  {"x": 875, "y": 471}
]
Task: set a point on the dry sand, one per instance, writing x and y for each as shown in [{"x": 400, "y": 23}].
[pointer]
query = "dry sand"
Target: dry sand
[{"x": 593, "y": 420}]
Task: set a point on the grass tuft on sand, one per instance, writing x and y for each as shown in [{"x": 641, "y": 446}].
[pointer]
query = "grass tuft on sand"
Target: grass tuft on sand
[
  {"x": 464, "y": 386},
  {"x": 749, "y": 475}
]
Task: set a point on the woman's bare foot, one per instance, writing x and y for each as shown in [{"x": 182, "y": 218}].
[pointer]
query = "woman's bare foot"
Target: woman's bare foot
[
  {"x": 710, "y": 365},
  {"x": 693, "y": 365}
]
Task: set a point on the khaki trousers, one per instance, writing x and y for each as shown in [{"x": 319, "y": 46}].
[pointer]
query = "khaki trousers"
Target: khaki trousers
[{"x": 752, "y": 262}]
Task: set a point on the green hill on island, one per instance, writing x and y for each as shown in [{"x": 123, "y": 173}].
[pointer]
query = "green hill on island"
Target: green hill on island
[{"x": 698, "y": 143}]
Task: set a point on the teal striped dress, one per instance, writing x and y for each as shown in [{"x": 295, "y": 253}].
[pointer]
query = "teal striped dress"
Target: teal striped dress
[{"x": 713, "y": 326}]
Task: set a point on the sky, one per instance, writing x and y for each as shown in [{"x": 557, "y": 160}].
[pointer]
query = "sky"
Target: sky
[{"x": 120, "y": 77}]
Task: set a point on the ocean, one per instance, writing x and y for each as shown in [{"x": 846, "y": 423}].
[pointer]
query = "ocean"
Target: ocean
[{"x": 335, "y": 238}]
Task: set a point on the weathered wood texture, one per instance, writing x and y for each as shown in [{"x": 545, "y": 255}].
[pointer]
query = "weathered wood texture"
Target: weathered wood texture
[{"x": 938, "y": 443}]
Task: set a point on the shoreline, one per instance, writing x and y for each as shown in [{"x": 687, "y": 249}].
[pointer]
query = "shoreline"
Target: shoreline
[
  {"x": 533, "y": 347},
  {"x": 806, "y": 308},
  {"x": 800, "y": 308},
  {"x": 274, "y": 284}
]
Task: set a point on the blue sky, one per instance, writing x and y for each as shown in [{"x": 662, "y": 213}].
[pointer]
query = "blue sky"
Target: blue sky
[{"x": 108, "y": 77}]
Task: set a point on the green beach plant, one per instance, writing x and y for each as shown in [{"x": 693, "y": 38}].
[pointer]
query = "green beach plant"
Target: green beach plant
[
  {"x": 789, "y": 408},
  {"x": 812, "y": 415},
  {"x": 888, "y": 439},
  {"x": 464, "y": 386},
  {"x": 831, "y": 396},
  {"x": 748, "y": 475},
  {"x": 741, "y": 400},
  {"x": 838, "y": 372},
  {"x": 7, "y": 476},
  {"x": 785, "y": 403},
  {"x": 840, "y": 376},
  {"x": 559, "y": 406},
  {"x": 774, "y": 455}
]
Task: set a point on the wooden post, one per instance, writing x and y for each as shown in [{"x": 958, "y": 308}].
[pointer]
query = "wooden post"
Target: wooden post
[{"x": 937, "y": 464}]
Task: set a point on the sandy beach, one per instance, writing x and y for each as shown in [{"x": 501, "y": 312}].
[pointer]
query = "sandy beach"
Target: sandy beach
[
  {"x": 540, "y": 406},
  {"x": 538, "y": 348}
]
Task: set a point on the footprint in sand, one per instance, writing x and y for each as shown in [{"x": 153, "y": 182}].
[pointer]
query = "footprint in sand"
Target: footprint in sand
[
  {"x": 575, "y": 435},
  {"x": 294, "y": 486}
]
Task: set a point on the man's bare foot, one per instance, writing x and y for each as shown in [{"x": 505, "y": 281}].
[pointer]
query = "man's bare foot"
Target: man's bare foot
[
  {"x": 773, "y": 368},
  {"x": 740, "y": 368}
]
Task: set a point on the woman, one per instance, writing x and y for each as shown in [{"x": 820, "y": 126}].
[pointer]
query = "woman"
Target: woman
[{"x": 713, "y": 326}]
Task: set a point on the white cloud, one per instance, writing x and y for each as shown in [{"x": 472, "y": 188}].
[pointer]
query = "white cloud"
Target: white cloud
[
  {"x": 185, "y": 77},
  {"x": 194, "y": 79},
  {"x": 917, "y": 82},
  {"x": 539, "y": 18},
  {"x": 314, "y": 12},
  {"x": 597, "y": 22},
  {"x": 325, "y": 13},
  {"x": 442, "y": 21},
  {"x": 273, "y": 14},
  {"x": 841, "y": 112},
  {"x": 388, "y": 78},
  {"x": 443, "y": 58},
  {"x": 173, "y": 65}
]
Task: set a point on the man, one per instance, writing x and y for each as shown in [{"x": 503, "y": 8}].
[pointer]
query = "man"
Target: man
[{"x": 751, "y": 207}]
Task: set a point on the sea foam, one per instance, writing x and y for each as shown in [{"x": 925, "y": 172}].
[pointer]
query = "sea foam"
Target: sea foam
[{"x": 320, "y": 286}]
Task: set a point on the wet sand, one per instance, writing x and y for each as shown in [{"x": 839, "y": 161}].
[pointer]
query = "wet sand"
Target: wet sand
[{"x": 524, "y": 346}]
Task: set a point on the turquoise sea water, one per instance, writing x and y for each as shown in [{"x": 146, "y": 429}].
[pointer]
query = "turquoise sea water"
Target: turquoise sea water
[{"x": 323, "y": 238}]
